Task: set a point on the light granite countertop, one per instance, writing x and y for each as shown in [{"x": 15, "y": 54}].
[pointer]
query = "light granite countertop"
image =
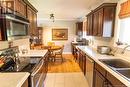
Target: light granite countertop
[
  {"x": 96, "y": 56},
  {"x": 13, "y": 79}
]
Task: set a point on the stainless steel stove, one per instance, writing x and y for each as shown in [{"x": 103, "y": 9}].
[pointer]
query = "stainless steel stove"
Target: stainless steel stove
[{"x": 36, "y": 66}]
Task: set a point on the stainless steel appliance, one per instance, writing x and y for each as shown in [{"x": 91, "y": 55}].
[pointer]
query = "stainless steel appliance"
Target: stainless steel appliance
[
  {"x": 103, "y": 49},
  {"x": 13, "y": 25},
  {"x": 89, "y": 71},
  {"x": 36, "y": 66}
]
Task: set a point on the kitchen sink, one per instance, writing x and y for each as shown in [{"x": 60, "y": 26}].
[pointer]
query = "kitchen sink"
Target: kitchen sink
[
  {"x": 120, "y": 66},
  {"x": 116, "y": 63},
  {"x": 125, "y": 73}
]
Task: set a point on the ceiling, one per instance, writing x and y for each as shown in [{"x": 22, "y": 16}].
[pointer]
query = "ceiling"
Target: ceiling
[{"x": 65, "y": 9}]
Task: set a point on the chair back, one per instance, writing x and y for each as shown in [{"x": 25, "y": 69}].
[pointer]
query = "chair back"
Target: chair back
[
  {"x": 62, "y": 49},
  {"x": 51, "y": 43}
]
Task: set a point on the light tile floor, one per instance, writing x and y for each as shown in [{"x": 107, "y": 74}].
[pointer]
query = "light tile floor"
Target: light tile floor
[{"x": 75, "y": 79}]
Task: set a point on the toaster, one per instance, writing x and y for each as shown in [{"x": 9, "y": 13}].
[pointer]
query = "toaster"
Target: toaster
[{"x": 103, "y": 49}]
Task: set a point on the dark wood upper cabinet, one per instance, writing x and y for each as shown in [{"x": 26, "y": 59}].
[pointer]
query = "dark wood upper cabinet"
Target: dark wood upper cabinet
[
  {"x": 102, "y": 21},
  {"x": 89, "y": 28},
  {"x": 20, "y": 7},
  {"x": 32, "y": 17},
  {"x": 79, "y": 28}
]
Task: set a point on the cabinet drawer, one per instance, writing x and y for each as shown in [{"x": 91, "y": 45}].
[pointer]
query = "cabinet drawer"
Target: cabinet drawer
[
  {"x": 100, "y": 69},
  {"x": 114, "y": 81}
]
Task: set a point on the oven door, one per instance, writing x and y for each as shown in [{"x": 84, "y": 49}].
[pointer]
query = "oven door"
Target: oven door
[{"x": 37, "y": 75}]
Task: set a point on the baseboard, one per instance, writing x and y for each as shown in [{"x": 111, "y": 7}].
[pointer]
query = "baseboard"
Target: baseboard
[{"x": 67, "y": 52}]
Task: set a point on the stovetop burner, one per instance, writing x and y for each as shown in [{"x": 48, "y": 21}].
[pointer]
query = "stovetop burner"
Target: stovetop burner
[{"x": 27, "y": 65}]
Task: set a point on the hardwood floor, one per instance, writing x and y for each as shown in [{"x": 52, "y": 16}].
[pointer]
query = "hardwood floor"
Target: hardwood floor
[{"x": 68, "y": 65}]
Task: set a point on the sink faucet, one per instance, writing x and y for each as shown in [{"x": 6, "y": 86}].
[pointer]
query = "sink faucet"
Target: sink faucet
[{"x": 123, "y": 51}]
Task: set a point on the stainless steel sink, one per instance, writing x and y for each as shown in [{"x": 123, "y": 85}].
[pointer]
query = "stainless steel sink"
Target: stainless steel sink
[
  {"x": 120, "y": 66},
  {"x": 116, "y": 63},
  {"x": 125, "y": 73}
]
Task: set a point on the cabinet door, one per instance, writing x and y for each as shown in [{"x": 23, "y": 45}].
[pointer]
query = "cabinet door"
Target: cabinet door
[
  {"x": 30, "y": 18},
  {"x": 114, "y": 81},
  {"x": 79, "y": 28},
  {"x": 95, "y": 23},
  {"x": 34, "y": 22},
  {"x": 89, "y": 24},
  {"x": 108, "y": 21},
  {"x": 99, "y": 80},
  {"x": 100, "y": 22},
  {"x": 20, "y": 7}
]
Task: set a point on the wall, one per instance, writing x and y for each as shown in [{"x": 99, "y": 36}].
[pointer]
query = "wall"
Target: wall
[{"x": 47, "y": 32}]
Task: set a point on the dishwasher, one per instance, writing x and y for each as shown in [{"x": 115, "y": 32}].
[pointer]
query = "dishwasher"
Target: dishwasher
[{"x": 89, "y": 71}]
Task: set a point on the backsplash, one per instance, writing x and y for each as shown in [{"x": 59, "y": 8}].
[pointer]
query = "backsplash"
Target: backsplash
[{"x": 21, "y": 43}]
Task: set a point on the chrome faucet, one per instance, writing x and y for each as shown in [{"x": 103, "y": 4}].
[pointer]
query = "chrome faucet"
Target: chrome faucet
[{"x": 123, "y": 51}]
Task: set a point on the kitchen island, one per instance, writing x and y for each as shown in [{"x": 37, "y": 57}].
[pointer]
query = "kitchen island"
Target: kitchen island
[{"x": 14, "y": 79}]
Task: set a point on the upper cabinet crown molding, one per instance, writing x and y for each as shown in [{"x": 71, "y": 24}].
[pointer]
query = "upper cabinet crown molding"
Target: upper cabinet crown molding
[
  {"x": 100, "y": 21},
  {"x": 125, "y": 10},
  {"x": 30, "y": 5}
]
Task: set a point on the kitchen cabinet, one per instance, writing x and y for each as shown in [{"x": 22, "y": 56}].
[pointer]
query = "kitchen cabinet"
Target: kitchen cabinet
[
  {"x": 32, "y": 16},
  {"x": 40, "y": 34},
  {"x": 99, "y": 80},
  {"x": 20, "y": 7},
  {"x": 102, "y": 78},
  {"x": 79, "y": 28},
  {"x": 89, "y": 29},
  {"x": 101, "y": 20},
  {"x": 97, "y": 23},
  {"x": 82, "y": 61}
]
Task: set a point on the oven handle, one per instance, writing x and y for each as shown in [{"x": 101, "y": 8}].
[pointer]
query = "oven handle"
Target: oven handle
[
  {"x": 18, "y": 20},
  {"x": 34, "y": 73}
]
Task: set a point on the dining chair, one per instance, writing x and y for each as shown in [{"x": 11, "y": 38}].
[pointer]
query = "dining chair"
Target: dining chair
[
  {"x": 58, "y": 54},
  {"x": 51, "y": 54},
  {"x": 51, "y": 43}
]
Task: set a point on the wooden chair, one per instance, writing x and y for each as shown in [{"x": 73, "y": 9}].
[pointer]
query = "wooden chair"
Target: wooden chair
[
  {"x": 58, "y": 54},
  {"x": 51, "y": 43},
  {"x": 51, "y": 54}
]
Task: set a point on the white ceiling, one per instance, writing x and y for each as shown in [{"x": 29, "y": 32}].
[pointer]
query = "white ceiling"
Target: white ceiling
[{"x": 65, "y": 9}]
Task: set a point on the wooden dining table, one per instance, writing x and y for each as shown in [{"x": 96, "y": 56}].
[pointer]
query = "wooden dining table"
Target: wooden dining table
[
  {"x": 56, "y": 47},
  {"x": 51, "y": 50}
]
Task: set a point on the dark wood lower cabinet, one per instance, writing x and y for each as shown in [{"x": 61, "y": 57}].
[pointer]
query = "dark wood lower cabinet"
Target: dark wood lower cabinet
[
  {"x": 99, "y": 80},
  {"x": 105, "y": 79}
]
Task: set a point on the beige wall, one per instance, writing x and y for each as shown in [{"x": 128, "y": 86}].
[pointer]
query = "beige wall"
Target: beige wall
[{"x": 47, "y": 32}]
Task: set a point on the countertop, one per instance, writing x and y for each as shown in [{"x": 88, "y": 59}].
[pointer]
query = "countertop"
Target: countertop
[
  {"x": 13, "y": 79},
  {"x": 34, "y": 53},
  {"x": 96, "y": 56}
]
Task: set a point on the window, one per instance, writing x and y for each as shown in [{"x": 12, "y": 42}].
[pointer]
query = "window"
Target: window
[{"x": 124, "y": 33}]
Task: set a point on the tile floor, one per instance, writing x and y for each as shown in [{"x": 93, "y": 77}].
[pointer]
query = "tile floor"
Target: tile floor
[{"x": 75, "y": 79}]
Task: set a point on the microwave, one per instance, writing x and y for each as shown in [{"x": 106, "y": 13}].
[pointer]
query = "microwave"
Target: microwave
[{"x": 13, "y": 26}]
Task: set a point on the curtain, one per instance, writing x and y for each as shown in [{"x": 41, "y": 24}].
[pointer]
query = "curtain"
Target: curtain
[{"x": 125, "y": 10}]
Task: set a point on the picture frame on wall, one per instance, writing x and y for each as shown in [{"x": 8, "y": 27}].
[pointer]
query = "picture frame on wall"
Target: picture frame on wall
[{"x": 59, "y": 34}]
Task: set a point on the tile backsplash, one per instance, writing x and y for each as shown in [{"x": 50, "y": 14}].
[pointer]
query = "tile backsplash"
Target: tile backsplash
[{"x": 24, "y": 43}]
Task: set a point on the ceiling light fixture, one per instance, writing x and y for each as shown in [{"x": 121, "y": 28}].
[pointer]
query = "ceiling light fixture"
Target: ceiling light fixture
[{"x": 52, "y": 17}]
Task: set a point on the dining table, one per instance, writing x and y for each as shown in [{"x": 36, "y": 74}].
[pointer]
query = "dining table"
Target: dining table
[{"x": 52, "y": 50}]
